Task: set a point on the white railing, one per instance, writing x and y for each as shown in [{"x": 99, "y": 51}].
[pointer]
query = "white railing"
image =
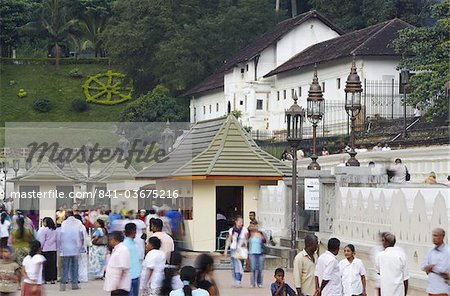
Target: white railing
[{"x": 410, "y": 213}]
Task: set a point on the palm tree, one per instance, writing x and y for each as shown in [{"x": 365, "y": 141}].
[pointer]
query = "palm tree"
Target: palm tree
[
  {"x": 53, "y": 24},
  {"x": 91, "y": 28}
]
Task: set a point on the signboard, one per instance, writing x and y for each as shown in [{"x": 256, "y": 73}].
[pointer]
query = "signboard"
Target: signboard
[{"x": 312, "y": 194}]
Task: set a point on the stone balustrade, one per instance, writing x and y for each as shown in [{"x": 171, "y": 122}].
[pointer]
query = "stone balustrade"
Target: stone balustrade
[
  {"x": 420, "y": 161},
  {"x": 411, "y": 213}
]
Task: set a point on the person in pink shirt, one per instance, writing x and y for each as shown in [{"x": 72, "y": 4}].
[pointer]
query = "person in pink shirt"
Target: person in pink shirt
[
  {"x": 117, "y": 276},
  {"x": 48, "y": 239}
]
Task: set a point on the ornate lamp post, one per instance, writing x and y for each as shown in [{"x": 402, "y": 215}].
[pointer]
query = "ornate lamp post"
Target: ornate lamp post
[
  {"x": 315, "y": 111},
  {"x": 15, "y": 166},
  {"x": 294, "y": 119},
  {"x": 353, "y": 91},
  {"x": 5, "y": 166}
]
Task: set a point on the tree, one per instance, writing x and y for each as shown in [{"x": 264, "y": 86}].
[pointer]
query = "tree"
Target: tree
[
  {"x": 13, "y": 14},
  {"x": 425, "y": 51},
  {"x": 178, "y": 43},
  {"x": 53, "y": 23},
  {"x": 93, "y": 17},
  {"x": 156, "y": 106},
  {"x": 352, "y": 15}
]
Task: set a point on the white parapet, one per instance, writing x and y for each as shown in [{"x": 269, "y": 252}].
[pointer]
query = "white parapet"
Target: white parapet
[{"x": 410, "y": 213}]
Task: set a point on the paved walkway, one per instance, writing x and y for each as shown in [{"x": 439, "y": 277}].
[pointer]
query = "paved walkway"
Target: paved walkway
[{"x": 223, "y": 278}]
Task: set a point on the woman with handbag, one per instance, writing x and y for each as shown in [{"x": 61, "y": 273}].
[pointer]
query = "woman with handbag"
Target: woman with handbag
[
  {"x": 237, "y": 241},
  {"x": 47, "y": 238},
  {"x": 97, "y": 254}
]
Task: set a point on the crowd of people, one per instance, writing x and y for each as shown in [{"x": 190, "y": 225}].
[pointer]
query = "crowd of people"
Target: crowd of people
[
  {"x": 326, "y": 276},
  {"x": 77, "y": 246}
]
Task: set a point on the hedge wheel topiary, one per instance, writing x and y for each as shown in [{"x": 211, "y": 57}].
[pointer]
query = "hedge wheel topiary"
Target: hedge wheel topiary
[{"x": 107, "y": 88}]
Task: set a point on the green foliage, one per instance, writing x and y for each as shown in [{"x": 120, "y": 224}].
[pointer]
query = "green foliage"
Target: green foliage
[
  {"x": 156, "y": 106},
  {"x": 53, "y": 23},
  {"x": 22, "y": 93},
  {"x": 14, "y": 14},
  {"x": 42, "y": 105},
  {"x": 109, "y": 88},
  {"x": 426, "y": 52},
  {"x": 53, "y": 83},
  {"x": 79, "y": 105},
  {"x": 178, "y": 43},
  {"x": 236, "y": 113},
  {"x": 351, "y": 15},
  {"x": 75, "y": 73}
]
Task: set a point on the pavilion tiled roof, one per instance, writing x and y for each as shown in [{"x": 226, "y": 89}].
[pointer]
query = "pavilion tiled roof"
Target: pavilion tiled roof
[
  {"x": 375, "y": 40},
  {"x": 216, "y": 80},
  {"x": 215, "y": 149}
]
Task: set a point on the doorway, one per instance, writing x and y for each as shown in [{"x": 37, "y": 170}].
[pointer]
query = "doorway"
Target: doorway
[{"x": 229, "y": 205}]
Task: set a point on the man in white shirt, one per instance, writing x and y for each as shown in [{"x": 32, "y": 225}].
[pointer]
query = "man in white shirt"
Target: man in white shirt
[
  {"x": 327, "y": 271},
  {"x": 392, "y": 267},
  {"x": 167, "y": 245},
  {"x": 437, "y": 265},
  {"x": 71, "y": 242},
  {"x": 117, "y": 276}
]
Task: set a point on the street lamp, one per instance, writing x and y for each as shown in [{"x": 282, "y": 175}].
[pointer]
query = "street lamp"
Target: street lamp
[
  {"x": 15, "y": 166},
  {"x": 353, "y": 91},
  {"x": 315, "y": 111},
  {"x": 294, "y": 119},
  {"x": 5, "y": 165}
]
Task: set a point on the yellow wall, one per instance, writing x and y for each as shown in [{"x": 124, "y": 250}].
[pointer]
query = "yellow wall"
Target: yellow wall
[{"x": 202, "y": 229}]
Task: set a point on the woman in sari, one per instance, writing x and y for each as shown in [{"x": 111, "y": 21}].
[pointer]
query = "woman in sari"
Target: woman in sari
[{"x": 97, "y": 254}]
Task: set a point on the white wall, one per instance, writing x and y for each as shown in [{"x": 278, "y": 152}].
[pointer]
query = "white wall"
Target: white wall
[
  {"x": 310, "y": 32},
  {"x": 409, "y": 213},
  {"x": 203, "y": 103}
]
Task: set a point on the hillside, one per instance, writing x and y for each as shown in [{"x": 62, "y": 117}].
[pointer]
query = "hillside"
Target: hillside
[{"x": 55, "y": 84}]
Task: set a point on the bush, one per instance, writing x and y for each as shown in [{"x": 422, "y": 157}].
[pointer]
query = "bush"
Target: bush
[
  {"x": 79, "y": 105},
  {"x": 42, "y": 105},
  {"x": 75, "y": 73}
]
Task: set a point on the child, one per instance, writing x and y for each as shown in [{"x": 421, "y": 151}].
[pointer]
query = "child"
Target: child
[
  {"x": 9, "y": 273},
  {"x": 33, "y": 265},
  {"x": 280, "y": 288}
]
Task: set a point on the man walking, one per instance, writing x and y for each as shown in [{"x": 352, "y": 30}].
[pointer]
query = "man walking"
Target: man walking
[
  {"x": 71, "y": 241},
  {"x": 392, "y": 267},
  {"x": 167, "y": 245},
  {"x": 437, "y": 265},
  {"x": 135, "y": 270},
  {"x": 305, "y": 267},
  {"x": 328, "y": 276},
  {"x": 117, "y": 276}
]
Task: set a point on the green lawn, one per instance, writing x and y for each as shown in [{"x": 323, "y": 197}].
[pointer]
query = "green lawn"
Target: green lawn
[{"x": 55, "y": 84}]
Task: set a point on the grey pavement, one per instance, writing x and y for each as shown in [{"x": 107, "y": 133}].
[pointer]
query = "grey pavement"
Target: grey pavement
[{"x": 222, "y": 277}]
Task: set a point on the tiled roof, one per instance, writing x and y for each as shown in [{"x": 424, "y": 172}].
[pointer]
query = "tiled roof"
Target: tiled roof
[
  {"x": 220, "y": 148},
  {"x": 371, "y": 41},
  {"x": 48, "y": 171},
  {"x": 216, "y": 80}
]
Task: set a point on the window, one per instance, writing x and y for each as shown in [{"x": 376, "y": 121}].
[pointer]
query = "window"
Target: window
[
  {"x": 284, "y": 94},
  {"x": 292, "y": 93},
  {"x": 210, "y": 109},
  {"x": 323, "y": 86},
  {"x": 246, "y": 67},
  {"x": 204, "y": 109},
  {"x": 217, "y": 107},
  {"x": 300, "y": 91},
  {"x": 241, "y": 102},
  {"x": 338, "y": 83},
  {"x": 259, "y": 104},
  {"x": 242, "y": 70},
  {"x": 278, "y": 95}
]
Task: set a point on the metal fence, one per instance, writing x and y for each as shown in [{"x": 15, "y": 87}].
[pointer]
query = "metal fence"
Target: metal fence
[{"x": 381, "y": 100}]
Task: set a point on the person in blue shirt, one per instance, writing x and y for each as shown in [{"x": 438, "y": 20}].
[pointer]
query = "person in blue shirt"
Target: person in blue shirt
[
  {"x": 135, "y": 270},
  {"x": 280, "y": 288}
]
